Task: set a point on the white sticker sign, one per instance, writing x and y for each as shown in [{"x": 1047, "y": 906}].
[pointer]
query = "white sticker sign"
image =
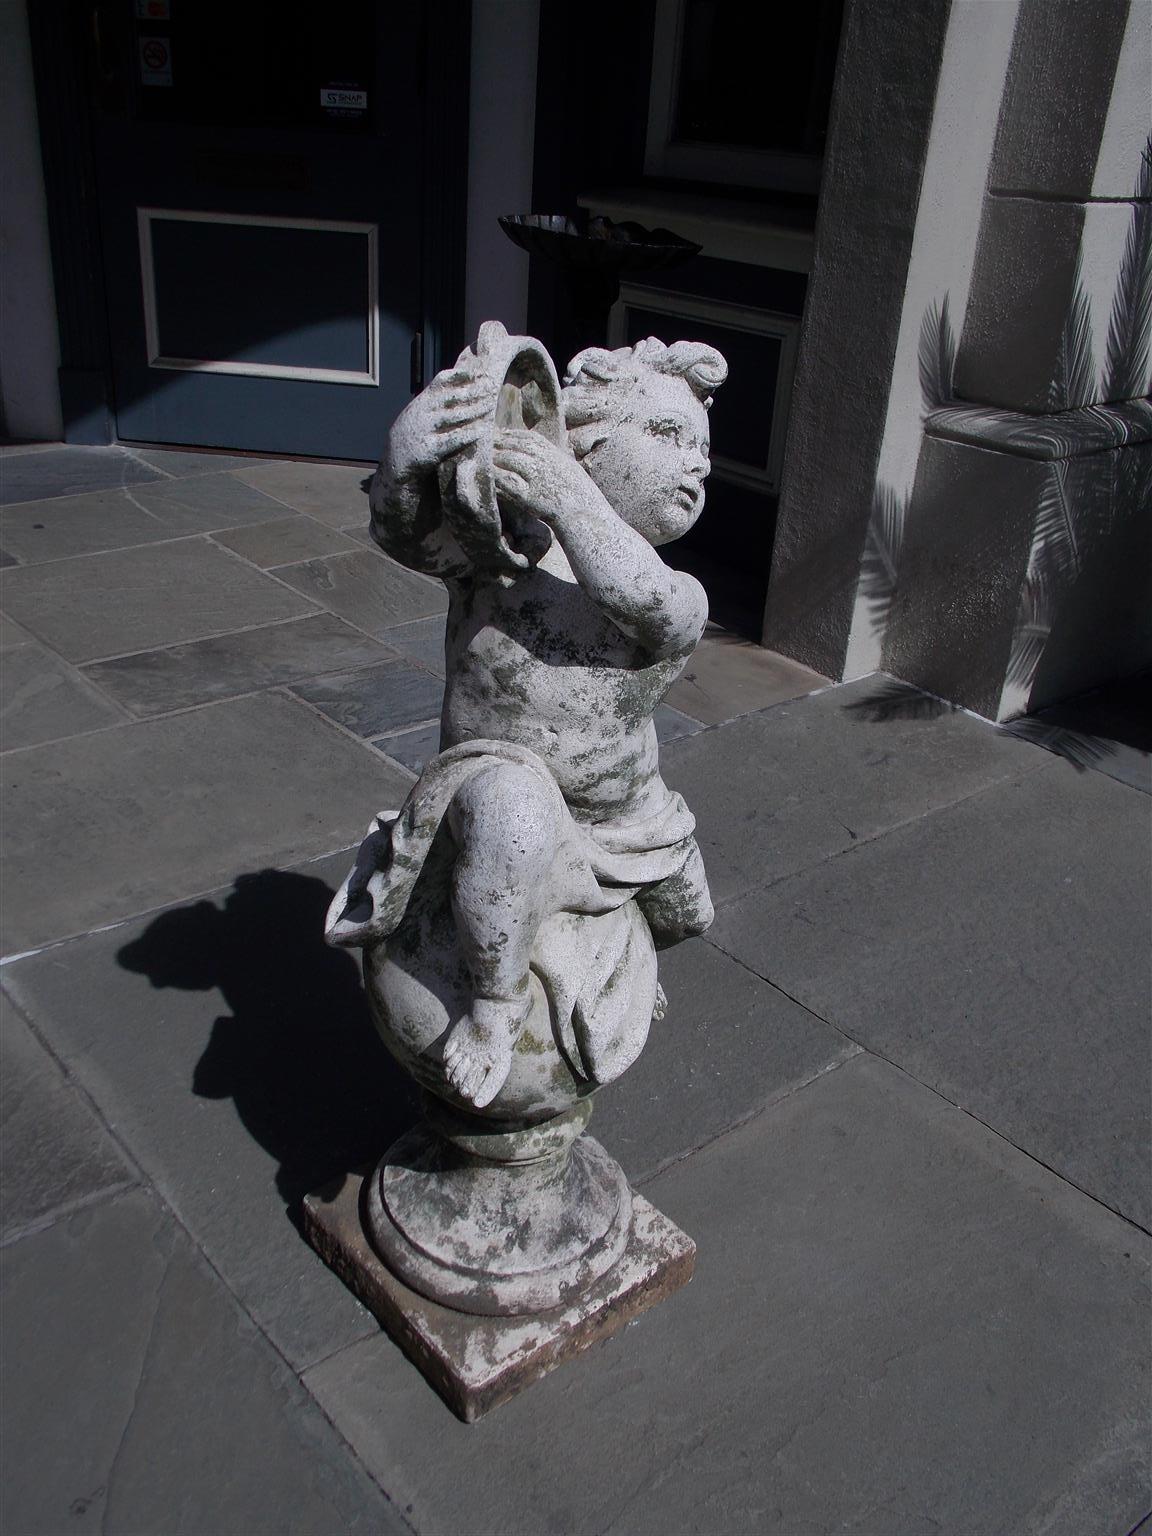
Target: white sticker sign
[
  {"x": 155, "y": 61},
  {"x": 334, "y": 96}
]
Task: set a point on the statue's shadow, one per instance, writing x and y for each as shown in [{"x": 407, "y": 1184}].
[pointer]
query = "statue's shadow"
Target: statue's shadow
[{"x": 297, "y": 1051}]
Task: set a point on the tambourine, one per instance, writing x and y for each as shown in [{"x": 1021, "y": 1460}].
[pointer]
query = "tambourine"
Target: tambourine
[{"x": 495, "y": 536}]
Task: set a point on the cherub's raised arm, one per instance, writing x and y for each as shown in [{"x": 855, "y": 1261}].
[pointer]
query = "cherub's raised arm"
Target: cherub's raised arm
[
  {"x": 407, "y": 521},
  {"x": 664, "y": 611}
]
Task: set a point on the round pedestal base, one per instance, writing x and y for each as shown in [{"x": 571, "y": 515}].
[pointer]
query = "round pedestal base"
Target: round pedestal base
[{"x": 525, "y": 1230}]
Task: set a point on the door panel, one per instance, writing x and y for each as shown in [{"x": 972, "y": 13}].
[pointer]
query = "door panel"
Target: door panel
[{"x": 260, "y": 189}]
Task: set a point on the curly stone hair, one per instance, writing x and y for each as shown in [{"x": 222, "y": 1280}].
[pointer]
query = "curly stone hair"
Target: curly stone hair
[{"x": 598, "y": 383}]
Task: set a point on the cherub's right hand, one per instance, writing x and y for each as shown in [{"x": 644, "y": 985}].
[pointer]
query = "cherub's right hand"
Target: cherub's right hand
[{"x": 441, "y": 421}]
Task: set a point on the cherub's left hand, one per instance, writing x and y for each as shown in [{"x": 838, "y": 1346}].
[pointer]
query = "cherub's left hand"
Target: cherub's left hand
[{"x": 539, "y": 477}]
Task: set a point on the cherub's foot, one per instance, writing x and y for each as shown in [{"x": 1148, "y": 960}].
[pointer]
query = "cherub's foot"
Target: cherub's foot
[
  {"x": 478, "y": 1054},
  {"x": 660, "y": 1006}
]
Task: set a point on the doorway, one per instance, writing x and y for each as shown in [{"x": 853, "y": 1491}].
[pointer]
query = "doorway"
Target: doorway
[{"x": 270, "y": 282}]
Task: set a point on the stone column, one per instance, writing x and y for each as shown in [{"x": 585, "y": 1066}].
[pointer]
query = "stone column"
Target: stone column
[{"x": 1023, "y": 572}]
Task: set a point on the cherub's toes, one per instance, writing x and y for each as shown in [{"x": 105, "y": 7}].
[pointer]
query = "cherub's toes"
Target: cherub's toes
[{"x": 487, "y": 1089}]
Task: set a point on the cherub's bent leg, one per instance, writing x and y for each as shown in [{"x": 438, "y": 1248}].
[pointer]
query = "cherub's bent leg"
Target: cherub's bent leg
[
  {"x": 680, "y": 906},
  {"x": 504, "y": 823}
]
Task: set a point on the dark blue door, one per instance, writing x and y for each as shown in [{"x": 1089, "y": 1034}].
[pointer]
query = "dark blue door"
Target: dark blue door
[{"x": 260, "y": 170}]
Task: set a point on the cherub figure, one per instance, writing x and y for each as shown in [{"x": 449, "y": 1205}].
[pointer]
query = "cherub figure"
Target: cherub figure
[{"x": 548, "y": 778}]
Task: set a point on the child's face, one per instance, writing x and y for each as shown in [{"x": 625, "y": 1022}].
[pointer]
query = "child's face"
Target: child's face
[{"x": 651, "y": 467}]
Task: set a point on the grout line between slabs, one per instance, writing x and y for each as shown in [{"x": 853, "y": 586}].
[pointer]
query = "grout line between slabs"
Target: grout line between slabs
[
  {"x": 165, "y": 906},
  {"x": 147, "y": 1184},
  {"x": 860, "y": 841},
  {"x": 754, "y": 1113},
  {"x": 938, "y": 1093}
]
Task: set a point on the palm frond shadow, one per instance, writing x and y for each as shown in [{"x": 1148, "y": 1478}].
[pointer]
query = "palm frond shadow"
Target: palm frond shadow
[
  {"x": 898, "y": 701},
  {"x": 880, "y": 562},
  {"x": 1127, "y": 351},
  {"x": 1079, "y": 748},
  {"x": 1067, "y": 522},
  {"x": 936, "y": 355},
  {"x": 1074, "y": 381}
]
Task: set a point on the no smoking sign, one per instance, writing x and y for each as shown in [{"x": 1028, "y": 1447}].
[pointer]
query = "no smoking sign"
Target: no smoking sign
[{"x": 155, "y": 61}]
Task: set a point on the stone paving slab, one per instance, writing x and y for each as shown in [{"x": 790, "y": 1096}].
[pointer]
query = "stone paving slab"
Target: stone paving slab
[
  {"x": 226, "y": 1035},
  {"x": 54, "y": 1153},
  {"x": 38, "y": 531},
  {"x": 42, "y": 698},
  {"x": 783, "y": 789},
  {"x": 204, "y": 503},
  {"x": 671, "y": 724},
  {"x": 286, "y": 541},
  {"x": 412, "y": 749},
  {"x": 180, "y": 676},
  {"x": 728, "y": 676},
  {"x": 422, "y": 641},
  {"x": 1108, "y": 729},
  {"x": 179, "y": 463},
  {"x": 104, "y": 826},
  {"x": 376, "y": 699},
  {"x": 42, "y": 473},
  {"x": 898, "y": 1325},
  {"x": 332, "y": 492},
  {"x": 999, "y": 951},
  {"x": 149, "y": 1403},
  {"x": 11, "y": 635},
  {"x": 728, "y": 1046},
  {"x": 367, "y": 589},
  {"x": 233, "y": 1050},
  {"x": 104, "y": 605}
]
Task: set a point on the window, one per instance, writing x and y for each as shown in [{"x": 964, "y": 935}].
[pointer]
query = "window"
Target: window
[{"x": 740, "y": 94}]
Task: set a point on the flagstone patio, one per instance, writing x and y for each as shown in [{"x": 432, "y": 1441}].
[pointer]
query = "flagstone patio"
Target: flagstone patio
[{"x": 900, "y": 1099}]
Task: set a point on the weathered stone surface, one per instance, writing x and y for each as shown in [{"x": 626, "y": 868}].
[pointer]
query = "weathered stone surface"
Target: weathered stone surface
[
  {"x": 285, "y": 541},
  {"x": 332, "y": 492},
  {"x": 238, "y": 787},
  {"x": 42, "y": 698},
  {"x": 1075, "y": 68},
  {"x": 1022, "y": 995},
  {"x": 873, "y": 756},
  {"x": 963, "y": 562},
  {"x": 202, "y": 503},
  {"x": 181, "y": 463},
  {"x": 421, "y": 641},
  {"x": 511, "y": 912},
  {"x": 149, "y": 1402},
  {"x": 729, "y": 1045},
  {"x": 898, "y": 1323},
  {"x": 477, "y": 1363},
  {"x": 671, "y": 724},
  {"x": 148, "y": 514},
  {"x": 376, "y": 699},
  {"x": 135, "y": 599},
  {"x": 729, "y": 676},
  {"x": 57, "y": 470},
  {"x": 180, "y": 676},
  {"x": 234, "y": 1052},
  {"x": 373, "y": 593},
  {"x": 412, "y": 748},
  {"x": 1036, "y": 259},
  {"x": 54, "y": 1152}
]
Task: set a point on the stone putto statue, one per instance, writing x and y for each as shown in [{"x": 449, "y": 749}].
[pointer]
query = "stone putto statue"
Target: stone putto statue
[{"x": 510, "y": 913}]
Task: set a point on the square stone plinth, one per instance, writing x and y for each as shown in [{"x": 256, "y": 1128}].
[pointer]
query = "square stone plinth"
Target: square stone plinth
[{"x": 476, "y": 1363}]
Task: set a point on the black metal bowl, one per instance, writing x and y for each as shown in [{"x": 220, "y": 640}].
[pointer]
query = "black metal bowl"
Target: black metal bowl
[{"x": 604, "y": 246}]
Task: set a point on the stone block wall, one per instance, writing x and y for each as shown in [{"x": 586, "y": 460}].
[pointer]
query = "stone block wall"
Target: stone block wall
[{"x": 1025, "y": 572}]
